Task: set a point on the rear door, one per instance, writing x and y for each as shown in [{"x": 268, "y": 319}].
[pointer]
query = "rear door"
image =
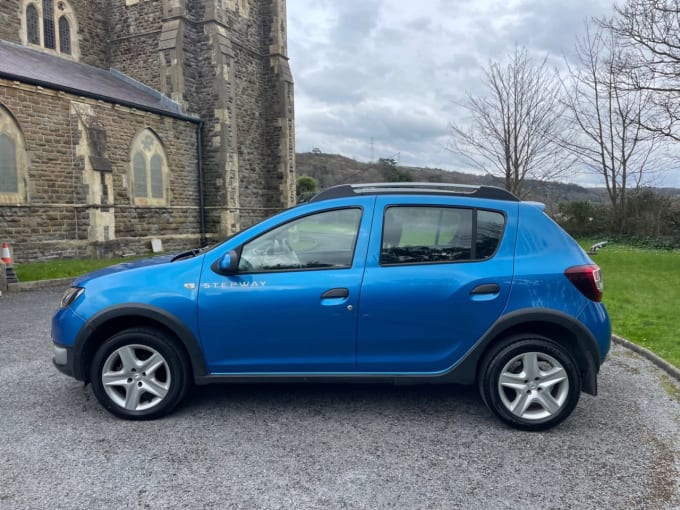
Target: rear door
[{"x": 438, "y": 274}]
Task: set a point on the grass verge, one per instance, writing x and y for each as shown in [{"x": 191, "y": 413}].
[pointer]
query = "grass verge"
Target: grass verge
[
  {"x": 642, "y": 296},
  {"x": 62, "y": 268}
]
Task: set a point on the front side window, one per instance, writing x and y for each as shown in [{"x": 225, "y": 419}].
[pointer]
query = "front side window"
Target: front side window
[
  {"x": 419, "y": 235},
  {"x": 320, "y": 241}
]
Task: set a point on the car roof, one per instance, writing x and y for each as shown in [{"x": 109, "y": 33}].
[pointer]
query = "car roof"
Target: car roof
[{"x": 414, "y": 188}]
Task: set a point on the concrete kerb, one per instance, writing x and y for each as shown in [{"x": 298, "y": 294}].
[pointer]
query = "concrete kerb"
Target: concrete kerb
[{"x": 646, "y": 353}]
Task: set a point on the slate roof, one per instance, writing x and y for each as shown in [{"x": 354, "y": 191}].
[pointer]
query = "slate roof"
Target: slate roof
[{"x": 31, "y": 66}]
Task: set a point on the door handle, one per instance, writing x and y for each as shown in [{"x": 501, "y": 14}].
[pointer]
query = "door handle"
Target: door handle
[
  {"x": 335, "y": 293},
  {"x": 486, "y": 288}
]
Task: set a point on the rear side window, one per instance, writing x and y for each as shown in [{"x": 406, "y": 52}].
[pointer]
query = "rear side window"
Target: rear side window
[{"x": 420, "y": 235}]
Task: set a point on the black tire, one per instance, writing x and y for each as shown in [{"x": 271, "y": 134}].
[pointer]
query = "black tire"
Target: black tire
[
  {"x": 139, "y": 374},
  {"x": 530, "y": 382}
]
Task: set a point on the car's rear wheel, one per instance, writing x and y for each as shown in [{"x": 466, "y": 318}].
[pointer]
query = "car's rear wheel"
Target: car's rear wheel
[
  {"x": 530, "y": 382},
  {"x": 139, "y": 374}
]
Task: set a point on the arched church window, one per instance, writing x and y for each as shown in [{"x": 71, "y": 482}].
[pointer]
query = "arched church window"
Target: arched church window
[
  {"x": 139, "y": 174},
  {"x": 51, "y": 24},
  {"x": 12, "y": 160},
  {"x": 156, "y": 177},
  {"x": 149, "y": 170},
  {"x": 64, "y": 35},
  {"x": 8, "y": 165},
  {"x": 32, "y": 24},
  {"x": 48, "y": 24}
]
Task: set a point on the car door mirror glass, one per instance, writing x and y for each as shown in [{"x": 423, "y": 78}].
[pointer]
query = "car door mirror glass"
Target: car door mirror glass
[{"x": 228, "y": 264}]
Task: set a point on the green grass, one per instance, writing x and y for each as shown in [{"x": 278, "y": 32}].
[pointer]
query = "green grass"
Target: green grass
[
  {"x": 642, "y": 296},
  {"x": 62, "y": 268}
]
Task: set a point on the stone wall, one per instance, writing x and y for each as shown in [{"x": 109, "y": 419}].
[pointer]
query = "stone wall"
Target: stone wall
[
  {"x": 224, "y": 61},
  {"x": 59, "y": 216},
  {"x": 10, "y": 21}
]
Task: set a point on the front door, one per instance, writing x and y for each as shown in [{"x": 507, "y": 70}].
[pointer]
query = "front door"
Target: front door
[{"x": 292, "y": 306}]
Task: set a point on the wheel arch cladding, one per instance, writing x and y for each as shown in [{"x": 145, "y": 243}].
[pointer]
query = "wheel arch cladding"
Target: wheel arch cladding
[
  {"x": 113, "y": 320},
  {"x": 552, "y": 324}
]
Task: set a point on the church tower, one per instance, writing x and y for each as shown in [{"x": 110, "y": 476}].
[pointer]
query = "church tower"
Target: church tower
[{"x": 226, "y": 62}]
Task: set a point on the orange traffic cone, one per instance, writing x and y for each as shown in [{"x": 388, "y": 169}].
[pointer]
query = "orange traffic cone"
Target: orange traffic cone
[{"x": 7, "y": 259}]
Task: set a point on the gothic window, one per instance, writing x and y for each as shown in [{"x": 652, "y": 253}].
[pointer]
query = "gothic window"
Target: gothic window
[
  {"x": 12, "y": 160},
  {"x": 149, "y": 170},
  {"x": 139, "y": 174},
  {"x": 64, "y": 36},
  {"x": 8, "y": 165},
  {"x": 48, "y": 24},
  {"x": 156, "y": 176},
  {"x": 52, "y": 25},
  {"x": 32, "y": 24}
]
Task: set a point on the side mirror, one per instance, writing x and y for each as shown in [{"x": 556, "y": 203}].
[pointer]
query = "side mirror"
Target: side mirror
[{"x": 228, "y": 264}]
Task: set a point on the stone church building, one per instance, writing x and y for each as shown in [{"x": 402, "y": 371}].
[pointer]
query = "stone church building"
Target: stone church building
[{"x": 123, "y": 121}]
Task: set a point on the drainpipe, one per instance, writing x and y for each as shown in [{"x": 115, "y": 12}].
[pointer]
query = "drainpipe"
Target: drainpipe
[{"x": 201, "y": 198}]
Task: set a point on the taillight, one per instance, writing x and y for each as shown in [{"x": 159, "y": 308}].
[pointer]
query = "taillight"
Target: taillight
[{"x": 587, "y": 279}]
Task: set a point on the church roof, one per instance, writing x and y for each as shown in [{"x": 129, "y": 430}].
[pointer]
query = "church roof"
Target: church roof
[{"x": 30, "y": 66}]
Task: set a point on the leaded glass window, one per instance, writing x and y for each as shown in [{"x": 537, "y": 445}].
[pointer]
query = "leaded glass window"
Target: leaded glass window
[
  {"x": 156, "y": 176},
  {"x": 139, "y": 173},
  {"x": 64, "y": 36},
  {"x": 32, "y": 24},
  {"x": 9, "y": 182},
  {"x": 148, "y": 170},
  {"x": 48, "y": 24}
]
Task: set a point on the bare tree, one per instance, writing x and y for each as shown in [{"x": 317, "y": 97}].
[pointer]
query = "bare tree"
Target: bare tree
[
  {"x": 650, "y": 29},
  {"x": 608, "y": 116},
  {"x": 513, "y": 128}
]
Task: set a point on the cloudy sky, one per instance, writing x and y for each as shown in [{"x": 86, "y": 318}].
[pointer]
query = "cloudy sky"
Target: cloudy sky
[{"x": 391, "y": 71}]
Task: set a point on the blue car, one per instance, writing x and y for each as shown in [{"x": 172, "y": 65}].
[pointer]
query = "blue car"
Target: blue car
[{"x": 395, "y": 282}]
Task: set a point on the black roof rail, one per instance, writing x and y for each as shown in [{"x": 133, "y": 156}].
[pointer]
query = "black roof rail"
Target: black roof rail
[{"x": 424, "y": 188}]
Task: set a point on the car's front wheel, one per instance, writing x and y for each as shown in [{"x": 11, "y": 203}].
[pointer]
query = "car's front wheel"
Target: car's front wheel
[
  {"x": 530, "y": 382},
  {"x": 139, "y": 374}
]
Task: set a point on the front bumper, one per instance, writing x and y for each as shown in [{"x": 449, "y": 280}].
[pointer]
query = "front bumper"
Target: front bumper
[{"x": 63, "y": 359}]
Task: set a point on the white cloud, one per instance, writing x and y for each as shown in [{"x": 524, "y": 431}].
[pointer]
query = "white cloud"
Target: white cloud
[{"x": 391, "y": 72}]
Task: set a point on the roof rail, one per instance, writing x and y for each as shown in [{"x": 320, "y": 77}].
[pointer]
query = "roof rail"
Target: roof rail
[{"x": 426, "y": 188}]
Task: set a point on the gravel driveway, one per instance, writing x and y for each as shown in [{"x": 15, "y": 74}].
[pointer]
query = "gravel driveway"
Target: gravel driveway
[{"x": 324, "y": 446}]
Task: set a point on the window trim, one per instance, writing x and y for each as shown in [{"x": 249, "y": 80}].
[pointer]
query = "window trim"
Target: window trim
[
  {"x": 239, "y": 249},
  {"x": 473, "y": 237}
]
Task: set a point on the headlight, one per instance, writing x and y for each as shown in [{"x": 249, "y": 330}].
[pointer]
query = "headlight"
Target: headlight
[{"x": 70, "y": 296}]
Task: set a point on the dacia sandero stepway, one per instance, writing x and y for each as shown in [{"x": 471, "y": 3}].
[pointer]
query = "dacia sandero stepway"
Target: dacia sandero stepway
[{"x": 393, "y": 282}]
